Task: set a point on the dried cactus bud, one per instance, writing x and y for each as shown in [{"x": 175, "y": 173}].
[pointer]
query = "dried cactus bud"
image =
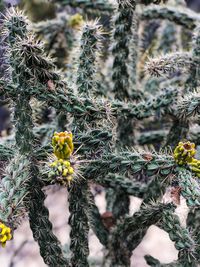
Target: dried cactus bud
[
  {"x": 195, "y": 166},
  {"x": 5, "y": 234},
  {"x": 175, "y": 194},
  {"x": 76, "y": 20},
  {"x": 63, "y": 171},
  {"x": 184, "y": 152},
  {"x": 147, "y": 156},
  {"x": 63, "y": 145},
  {"x": 108, "y": 219}
]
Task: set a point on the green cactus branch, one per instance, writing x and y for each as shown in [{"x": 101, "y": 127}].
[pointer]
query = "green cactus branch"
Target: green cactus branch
[
  {"x": 50, "y": 247},
  {"x": 149, "y": 33},
  {"x": 189, "y": 105},
  {"x": 122, "y": 33},
  {"x": 24, "y": 135},
  {"x": 192, "y": 83},
  {"x": 100, "y": 5},
  {"x": 127, "y": 185},
  {"x": 193, "y": 134},
  {"x": 183, "y": 17},
  {"x": 178, "y": 131},
  {"x": 193, "y": 222},
  {"x": 59, "y": 37},
  {"x": 90, "y": 46},
  {"x": 99, "y": 109},
  {"x": 15, "y": 25},
  {"x": 131, "y": 164},
  {"x": 6, "y": 152},
  {"x": 156, "y": 2},
  {"x": 126, "y": 236},
  {"x": 169, "y": 64},
  {"x": 151, "y": 137},
  {"x": 85, "y": 142},
  {"x": 7, "y": 90},
  {"x": 155, "y": 263},
  {"x": 134, "y": 55},
  {"x": 130, "y": 187},
  {"x": 78, "y": 220},
  {"x": 184, "y": 243},
  {"x": 182, "y": 62},
  {"x": 168, "y": 40},
  {"x": 93, "y": 141},
  {"x": 190, "y": 188},
  {"x": 13, "y": 190},
  {"x": 96, "y": 222},
  {"x": 155, "y": 189},
  {"x": 79, "y": 195},
  {"x": 65, "y": 100}
]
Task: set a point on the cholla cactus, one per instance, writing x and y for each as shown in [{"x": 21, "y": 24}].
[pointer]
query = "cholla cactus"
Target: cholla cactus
[{"x": 99, "y": 139}]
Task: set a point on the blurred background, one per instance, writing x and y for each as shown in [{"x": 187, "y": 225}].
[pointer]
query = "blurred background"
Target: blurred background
[{"x": 23, "y": 251}]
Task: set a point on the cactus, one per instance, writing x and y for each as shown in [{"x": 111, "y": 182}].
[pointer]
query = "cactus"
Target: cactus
[{"x": 95, "y": 136}]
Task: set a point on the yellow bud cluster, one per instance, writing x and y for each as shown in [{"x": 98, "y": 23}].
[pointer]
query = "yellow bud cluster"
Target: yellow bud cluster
[
  {"x": 195, "y": 166},
  {"x": 63, "y": 168},
  {"x": 76, "y": 21},
  {"x": 63, "y": 148},
  {"x": 184, "y": 152},
  {"x": 5, "y": 234},
  {"x": 63, "y": 145}
]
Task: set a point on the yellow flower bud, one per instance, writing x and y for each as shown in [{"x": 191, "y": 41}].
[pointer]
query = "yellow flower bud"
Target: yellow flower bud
[
  {"x": 9, "y": 236},
  {"x": 54, "y": 164},
  {"x": 5, "y": 234},
  {"x": 184, "y": 152},
  {"x": 66, "y": 163},
  {"x": 3, "y": 238},
  {"x": 63, "y": 145},
  {"x": 76, "y": 21},
  {"x": 59, "y": 168},
  {"x": 65, "y": 171},
  {"x": 69, "y": 179},
  {"x": 195, "y": 166},
  {"x": 70, "y": 170}
]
